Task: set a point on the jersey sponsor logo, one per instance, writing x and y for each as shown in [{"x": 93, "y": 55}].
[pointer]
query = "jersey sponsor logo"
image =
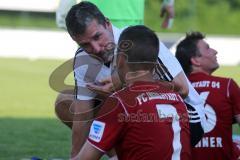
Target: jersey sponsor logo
[
  {"x": 212, "y": 84},
  {"x": 96, "y": 131},
  {"x": 210, "y": 114},
  {"x": 201, "y": 84},
  {"x": 211, "y": 118},
  {"x": 212, "y": 142},
  {"x": 148, "y": 96}
]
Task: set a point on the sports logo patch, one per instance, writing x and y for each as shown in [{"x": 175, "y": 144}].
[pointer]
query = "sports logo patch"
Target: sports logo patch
[{"x": 96, "y": 131}]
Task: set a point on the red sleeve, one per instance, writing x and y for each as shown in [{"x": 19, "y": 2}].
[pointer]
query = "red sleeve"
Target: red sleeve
[
  {"x": 234, "y": 93},
  {"x": 106, "y": 128}
]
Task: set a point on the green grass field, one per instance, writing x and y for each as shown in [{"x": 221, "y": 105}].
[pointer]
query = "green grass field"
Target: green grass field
[
  {"x": 28, "y": 125},
  {"x": 27, "y": 120}
]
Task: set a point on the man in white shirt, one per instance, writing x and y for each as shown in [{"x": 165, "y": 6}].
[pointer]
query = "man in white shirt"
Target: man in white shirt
[{"x": 97, "y": 37}]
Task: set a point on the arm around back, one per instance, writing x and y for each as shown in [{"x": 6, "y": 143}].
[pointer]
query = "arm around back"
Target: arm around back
[{"x": 181, "y": 84}]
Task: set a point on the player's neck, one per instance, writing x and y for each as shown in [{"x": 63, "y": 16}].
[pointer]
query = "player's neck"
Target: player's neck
[
  {"x": 199, "y": 70},
  {"x": 132, "y": 77}
]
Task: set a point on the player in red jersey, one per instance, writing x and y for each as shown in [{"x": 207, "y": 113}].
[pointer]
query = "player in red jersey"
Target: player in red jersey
[
  {"x": 146, "y": 119},
  {"x": 236, "y": 150},
  {"x": 221, "y": 95}
]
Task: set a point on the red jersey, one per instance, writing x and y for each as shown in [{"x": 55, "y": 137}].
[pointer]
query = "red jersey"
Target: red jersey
[
  {"x": 145, "y": 121},
  {"x": 236, "y": 150},
  {"x": 222, "y": 103}
]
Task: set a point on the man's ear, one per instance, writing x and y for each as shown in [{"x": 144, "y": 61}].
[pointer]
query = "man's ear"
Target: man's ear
[
  {"x": 195, "y": 61},
  {"x": 121, "y": 59}
]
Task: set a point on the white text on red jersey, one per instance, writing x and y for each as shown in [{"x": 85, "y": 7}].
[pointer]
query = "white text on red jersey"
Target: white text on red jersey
[
  {"x": 148, "y": 96},
  {"x": 212, "y": 84}
]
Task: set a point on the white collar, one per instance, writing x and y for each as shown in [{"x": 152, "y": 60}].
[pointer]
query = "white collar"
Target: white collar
[{"x": 116, "y": 33}]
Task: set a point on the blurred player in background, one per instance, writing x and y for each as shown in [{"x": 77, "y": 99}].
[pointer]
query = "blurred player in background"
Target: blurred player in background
[
  {"x": 151, "y": 122},
  {"x": 221, "y": 96},
  {"x": 62, "y": 10},
  {"x": 167, "y": 13}
]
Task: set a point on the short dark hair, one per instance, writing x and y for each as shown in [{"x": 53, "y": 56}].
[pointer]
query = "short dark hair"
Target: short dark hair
[
  {"x": 141, "y": 46},
  {"x": 80, "y": 15},
  {"x": 187, "y": 49}
]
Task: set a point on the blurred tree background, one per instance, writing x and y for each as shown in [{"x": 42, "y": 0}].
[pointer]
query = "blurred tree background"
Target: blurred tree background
[{"x": 208, "y": 16}]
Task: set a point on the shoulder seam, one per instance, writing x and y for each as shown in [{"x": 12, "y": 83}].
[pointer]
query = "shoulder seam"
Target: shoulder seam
[
  {"x": 228, "y": 85},
  {"x": 119, "y": 99},
  {"x": 79, "y": 50}
]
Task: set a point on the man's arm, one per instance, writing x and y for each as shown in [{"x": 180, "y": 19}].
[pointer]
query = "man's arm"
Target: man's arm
[
  {"x": 82, "y": 118},
  {"x": 181, "y": 84},
  {"x": 88, "y": 152},
  {"x": 108, "y": 131},
  {"x": 172, "y": 70}
]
